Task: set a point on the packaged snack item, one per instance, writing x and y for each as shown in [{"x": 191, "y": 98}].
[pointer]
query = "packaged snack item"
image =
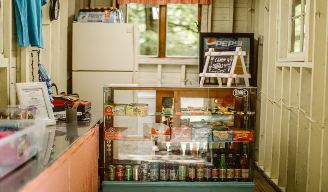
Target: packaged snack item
[
  {"x": 137, "y": 109},
  {"x": 109, "y": 110},
  {"x": 202, "y": 134},
  {"x": 222, "y": 135},
  {"x": 160, "y": 135},
  {"x": 242, "y": 136},
  {"x": 119, "y": 109},
  {"x": 115, "y": 133},
  {"x": 181, "y": 134}
]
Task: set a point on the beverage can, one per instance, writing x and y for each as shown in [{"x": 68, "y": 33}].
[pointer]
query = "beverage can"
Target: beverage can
[
  {"x": 154, "y": 173},
  {"x": 128, "y": 173},
  {"x": 182, "y": 172},
  {"x": 144, "y": 169},
  {"x": 136, "y": 173},
  {"x": 111, "y": 173},
  {"x": 144, "y": 165},
  {"x": 119, "y": 173}
]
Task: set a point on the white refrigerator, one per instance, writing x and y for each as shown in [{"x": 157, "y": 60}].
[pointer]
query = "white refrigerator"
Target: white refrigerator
[{"x": 104, "y": 53}]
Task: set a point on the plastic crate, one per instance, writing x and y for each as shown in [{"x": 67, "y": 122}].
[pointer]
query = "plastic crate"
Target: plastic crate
[{"x": 20, "y": 146}]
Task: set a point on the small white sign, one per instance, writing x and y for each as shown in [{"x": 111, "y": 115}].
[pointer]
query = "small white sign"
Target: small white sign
[{"x": 240, "y": 93}]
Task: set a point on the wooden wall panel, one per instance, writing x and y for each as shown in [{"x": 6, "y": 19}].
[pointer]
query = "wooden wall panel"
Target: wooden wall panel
[
  {"x": 264, "y": 86},
  {"x": 293, "y": 127},
  {"x": 222, "y": 16},
  {"x": 270, "y": 83},
  {"x": 276, "y": 124},
  {"x": 284, "y": 128},
  {"x": 317, "y": 108},
  {"x": 259, "y": 32},
  {"x": 303, "y": 131},
  {"x": 240, "y": 16}
]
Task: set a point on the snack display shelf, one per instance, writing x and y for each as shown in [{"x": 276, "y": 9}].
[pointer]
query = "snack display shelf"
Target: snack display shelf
[
  {"x": 184, "y": 115},
  {"x": 146, "y": 139},
  {"x": 154, "y": 158}
]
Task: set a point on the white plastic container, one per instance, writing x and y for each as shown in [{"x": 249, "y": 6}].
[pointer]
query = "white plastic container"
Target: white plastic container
[{"x": 18, "y": 147}]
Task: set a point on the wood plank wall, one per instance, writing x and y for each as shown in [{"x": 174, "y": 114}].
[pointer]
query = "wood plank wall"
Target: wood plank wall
[
  {"x": 291, "y": 149},
  {"x": 53, "y": 56}
]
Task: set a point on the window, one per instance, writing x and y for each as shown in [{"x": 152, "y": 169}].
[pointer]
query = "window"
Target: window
[
  {"x": 166, "y": 30},
  {"x": 181, "y": 31},
  {"x": 297, "y": 22},
  {"x": 147, "y": 17}
]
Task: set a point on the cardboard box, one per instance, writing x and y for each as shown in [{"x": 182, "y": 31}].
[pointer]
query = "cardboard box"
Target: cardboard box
[
  {"x": 181, "y": 134},
  {"x": 108, "y": 110},
  {"x": 202, "y": 134},
  {"x": 222, "y": 135},
  {"x": 160, "y": 135},
  {"x": 137, "y": 109},
  {"x": 115, "y": 133},
  {"x": 242, "y": 136},
  {"x": 114, "y": 110}
]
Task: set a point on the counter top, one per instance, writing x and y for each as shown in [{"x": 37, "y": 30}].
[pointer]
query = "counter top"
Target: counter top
[{"x": 56, "y": 140}]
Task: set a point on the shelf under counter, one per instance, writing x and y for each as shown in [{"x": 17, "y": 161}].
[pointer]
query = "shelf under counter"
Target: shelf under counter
[{"x": 137, "y": 186}]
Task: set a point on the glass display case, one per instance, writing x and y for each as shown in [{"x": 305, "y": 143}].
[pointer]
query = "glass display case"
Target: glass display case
[{"x": 163, "y": 136}]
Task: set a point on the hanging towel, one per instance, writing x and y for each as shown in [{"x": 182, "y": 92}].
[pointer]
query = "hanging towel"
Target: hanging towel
[{"x": 29, "y": 22}]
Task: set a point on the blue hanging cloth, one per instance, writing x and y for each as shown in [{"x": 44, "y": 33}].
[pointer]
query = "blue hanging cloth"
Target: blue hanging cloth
[{"x": 29, "y": 22}]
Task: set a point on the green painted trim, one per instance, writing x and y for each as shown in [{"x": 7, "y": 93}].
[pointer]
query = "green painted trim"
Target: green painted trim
[{"x": 135, "y": 186}]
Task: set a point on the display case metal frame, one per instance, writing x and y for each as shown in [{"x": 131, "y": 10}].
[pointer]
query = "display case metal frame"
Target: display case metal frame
[{"x": 208, "y": 91}]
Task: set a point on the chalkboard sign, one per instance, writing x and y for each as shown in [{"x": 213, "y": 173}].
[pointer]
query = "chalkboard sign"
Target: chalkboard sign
[
  {"x": 223, "y": 65},
  {"x": 220, "y": 64}
]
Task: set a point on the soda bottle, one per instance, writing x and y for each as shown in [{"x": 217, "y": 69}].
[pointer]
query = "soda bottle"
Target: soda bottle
[
  {"x": 208, "y": 173},
  {"x": 176, "y": 150},
  {"x": 192, "y": 173},
  {"x": 200, "y": 172},
  {"x": 223, "y": 169},
  {"x": 164, "y": 150},
  {"x": 244, "y": 170},
  {"x": 194, "y": 151},
  {"x": 163, "y": 171},
  {"x": 182, "y": 172},
  {"x": 207, "y": 155},
  {"x": 201, "y": 152},
  {"x": 169, "y": 150},
  {"x": 237, "y": 169},
  {"x": 230, "y": 169},
  {"x": 174, "y": 171},
  {"x": 215, "y": 171},
  {"x": 215, "y": 157},
  {"x": 188, "y": 151}
]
